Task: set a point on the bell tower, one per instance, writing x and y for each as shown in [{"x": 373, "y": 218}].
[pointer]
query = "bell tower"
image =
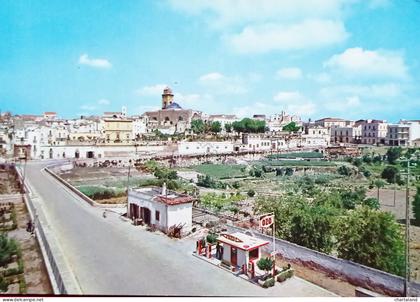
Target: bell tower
[{"x": 167, "y": 97}]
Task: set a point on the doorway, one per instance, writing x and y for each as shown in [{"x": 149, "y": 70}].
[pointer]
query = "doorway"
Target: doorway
[
  {"x": 233, "y": 256},
  {"x": 145, "y": 215}
]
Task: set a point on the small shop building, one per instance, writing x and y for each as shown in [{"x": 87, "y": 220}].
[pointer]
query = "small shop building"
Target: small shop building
[
  {"x": 161, "y": 208},
  {"x": 239, "y": 250}
]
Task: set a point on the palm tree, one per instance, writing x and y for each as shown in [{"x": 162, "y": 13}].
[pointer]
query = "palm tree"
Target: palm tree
[{"x": 378, "y": 184}]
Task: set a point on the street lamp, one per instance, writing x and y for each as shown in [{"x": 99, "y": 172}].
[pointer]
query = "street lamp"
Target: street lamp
[
  {"x": 128, "y": 187},
  {"x": 407, "y": 224}
]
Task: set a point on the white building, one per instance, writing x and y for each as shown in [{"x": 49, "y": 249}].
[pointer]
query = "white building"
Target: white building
[
  {"x": 404, "y": 133},
  {"x": 139, "y": 126},
  {"x": 204, "y": 147},
  {"x": 240, "y": 250},
  {"x": 278, "y": 121},
  {"x": 316, "y": 136},
  {"x": 349, "y": 135},
  {"x": 255, "y": 142},
  {"x": 162, "y": 208},
  {"x": 223, "y": 119},
  {"x": 374, "y": 131}
]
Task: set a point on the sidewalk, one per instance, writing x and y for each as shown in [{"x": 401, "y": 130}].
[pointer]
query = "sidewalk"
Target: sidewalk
[{"x": 294, "y": 286}]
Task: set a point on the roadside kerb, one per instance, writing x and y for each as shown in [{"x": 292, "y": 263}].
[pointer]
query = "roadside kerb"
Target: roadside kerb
[
  {"x": 80, "y": 194},
  {"x": 61, "y": 277}
]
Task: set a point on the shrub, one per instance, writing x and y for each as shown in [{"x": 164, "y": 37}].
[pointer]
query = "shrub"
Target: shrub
[
  {"x": 236, "y": 185},
  {"x": 211, "y": 238},
  {"x": 265, "y": 264},
  {"x": 269, "y": 283},
  {"x": 391, "y": 174},
  {"x": 8, "y": 248},
  {"x": 344, "y": 170},
  {"x": 288, "y": 172},
  {"x": 3, "y": 284},
  {"x": 251, "y": 193}
]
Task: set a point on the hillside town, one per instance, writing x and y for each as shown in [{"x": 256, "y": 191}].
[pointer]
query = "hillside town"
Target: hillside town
[
  {"x": 178, "y": 131},
  {"x": 209, "y": 149}
]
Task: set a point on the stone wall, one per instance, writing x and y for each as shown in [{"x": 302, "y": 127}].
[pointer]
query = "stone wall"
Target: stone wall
[{"x": 354, "y": 273}]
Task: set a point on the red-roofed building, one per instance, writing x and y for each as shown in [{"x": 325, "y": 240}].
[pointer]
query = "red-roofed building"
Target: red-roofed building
[
  {"x": 49, "y": 115},
  {"x": 240, "y": 249},
  {"x": 161, "y": 208}
]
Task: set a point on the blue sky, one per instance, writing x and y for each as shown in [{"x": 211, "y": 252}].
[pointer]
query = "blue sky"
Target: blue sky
[{"x": 316, "y": 58}]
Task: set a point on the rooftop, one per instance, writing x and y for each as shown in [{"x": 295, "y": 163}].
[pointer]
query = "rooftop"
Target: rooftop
[
  {"x": 242, "y": 241},
  {"x": 169, "y": 197}
]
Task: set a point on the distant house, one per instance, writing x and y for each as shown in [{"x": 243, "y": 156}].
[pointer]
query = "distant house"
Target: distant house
[
  {"x": 161, "y": 208},
  {"x": 50, "y": 115}
]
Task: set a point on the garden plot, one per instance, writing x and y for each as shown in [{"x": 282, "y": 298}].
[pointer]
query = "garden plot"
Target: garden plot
[
  {"x": 22, "y": 269},
  {"x": 106, "y": 185},
  {"x": 8, "y": 183}
]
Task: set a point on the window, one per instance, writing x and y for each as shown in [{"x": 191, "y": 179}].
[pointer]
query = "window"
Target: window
[
  {"x": 253, "y": 254},
  {"x": 157, "y": 215}
]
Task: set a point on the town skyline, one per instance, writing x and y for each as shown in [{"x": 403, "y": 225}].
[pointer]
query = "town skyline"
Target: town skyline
[{"x": 362, "y": 64}]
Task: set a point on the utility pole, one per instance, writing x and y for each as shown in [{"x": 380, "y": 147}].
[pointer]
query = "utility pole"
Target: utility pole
[
  {"x": 407, "y": 232},
  {"x": 128, "y": 188}
]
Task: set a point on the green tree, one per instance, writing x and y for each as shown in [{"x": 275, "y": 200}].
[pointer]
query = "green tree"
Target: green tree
[
  {"x": 251, "y": 193},
  {"x": 392, "y": 154},
  {"x": 372, "y": 203},
  {"x": 228, "y": 127},
  {"x": 216, "y": 127},
  {"x": 350, "y": 198},
  {"x": 391, "y": 174},
  {"x": 249, "y": 126},
  {"x": 197, "y": 126},
  {"x": 344, "y": 170},
  {"x": 265, "y": 264},
  {"x": 416, "y": 206},
  {"x": 8, "y": 248},
  {"x": 371, "y": 238},
  {"x": 291, "y": 127},
  {"x": 379, "y": 183}
]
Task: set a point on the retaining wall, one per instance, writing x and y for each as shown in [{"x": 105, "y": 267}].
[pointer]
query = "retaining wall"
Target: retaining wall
[
  {"x": 89, "y": 200},
  {"x": 61, "y": 277},
  {"x": 354, "y": 273}
]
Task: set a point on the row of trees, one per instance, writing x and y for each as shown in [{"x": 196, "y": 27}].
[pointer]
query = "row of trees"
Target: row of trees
[
  {"x": 246, "y": 125},
  {"x": 200, "y": 127},
  {"x": 343, "y": 221}
]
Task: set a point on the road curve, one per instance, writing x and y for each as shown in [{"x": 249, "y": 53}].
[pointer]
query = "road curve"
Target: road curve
[{"x": 109, "y": 256}]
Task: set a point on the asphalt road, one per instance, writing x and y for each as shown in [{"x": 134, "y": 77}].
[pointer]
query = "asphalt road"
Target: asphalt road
[{"x": 109, "y": 256}]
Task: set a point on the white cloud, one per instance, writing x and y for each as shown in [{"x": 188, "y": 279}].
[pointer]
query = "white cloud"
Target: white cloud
[
  {"x": 290, "y": 73},
  {"x": 221, "y": 13},
  {"x": 213, "y": 76},
  {"x": 152, "y": 90},
  {"x": 387, "y": 90},
  {"x": 97, "y": 63},
  {"x": 321, "y": 78},
  {"x": 268, "y": 37},
  {"x": 359, "y": 62},
  {"x": 218, "y": 83},
  {"x": 294, "y": 102},
  {"x": 103, "y": 102}
]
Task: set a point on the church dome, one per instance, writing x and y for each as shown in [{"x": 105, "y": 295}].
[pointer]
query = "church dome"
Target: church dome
[{"x": 174, "y": 106}]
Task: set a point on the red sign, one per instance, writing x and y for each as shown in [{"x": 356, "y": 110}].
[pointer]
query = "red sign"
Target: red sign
[{"x": 266, "y": 221}]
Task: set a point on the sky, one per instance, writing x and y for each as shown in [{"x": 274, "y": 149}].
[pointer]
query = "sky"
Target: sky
[{"x": 355, "y": 59}]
